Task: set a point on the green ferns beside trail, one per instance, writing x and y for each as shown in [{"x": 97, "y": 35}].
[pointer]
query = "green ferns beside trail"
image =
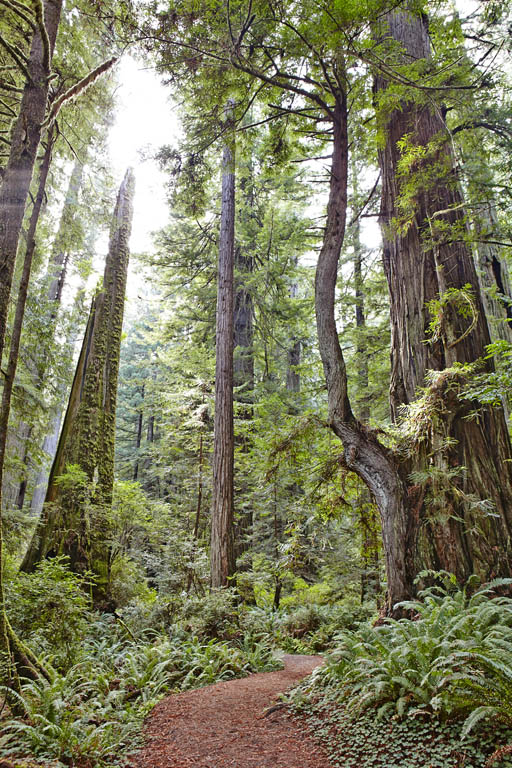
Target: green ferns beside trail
[{"x": 433, "y": 680}]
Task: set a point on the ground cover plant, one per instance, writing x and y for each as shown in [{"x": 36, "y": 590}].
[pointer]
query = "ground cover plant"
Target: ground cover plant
[
  {"x": 107, "y": 672},
  {"x": 430, "y": 690}
]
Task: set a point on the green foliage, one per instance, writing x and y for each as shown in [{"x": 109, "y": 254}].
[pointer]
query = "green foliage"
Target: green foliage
[
  {"x": 371, "y": 742},
  {"x": 50, "y": 609},
  {"x": 430, "y": 679},
  {"x": 388, "y": 693},
  {"x": 495, "y": 387},
  {"x": 92, "y": 713},
  {"x": 398, "y": 666}
]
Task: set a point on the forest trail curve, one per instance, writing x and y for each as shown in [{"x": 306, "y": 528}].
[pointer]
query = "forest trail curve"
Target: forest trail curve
[{"x": 224, "y": 726}]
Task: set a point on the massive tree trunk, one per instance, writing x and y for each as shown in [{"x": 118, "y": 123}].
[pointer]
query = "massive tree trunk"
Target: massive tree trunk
[
  {"x": 222, "y": 564},
  {"x": 461, "y": 462},
  {"x": 74, "y": 521}
]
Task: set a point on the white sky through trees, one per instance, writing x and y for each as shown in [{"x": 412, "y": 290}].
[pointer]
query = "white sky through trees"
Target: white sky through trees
[{"x": 144, "y": 121}]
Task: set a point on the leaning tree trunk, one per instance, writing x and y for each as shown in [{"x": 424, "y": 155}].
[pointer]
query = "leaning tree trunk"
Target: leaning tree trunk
[
  {"x": 363, "y": 454},
  {"x": 222, "y": 564},
  {"x": 74, "y": 521},
  {"x": 461, "y": 462},
  {"x": 57, "y": 269}
]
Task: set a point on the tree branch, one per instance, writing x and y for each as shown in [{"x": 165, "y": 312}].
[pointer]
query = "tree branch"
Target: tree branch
[
  {"x": 76, "y": 89},
  {"x": 19, "y": 58}
]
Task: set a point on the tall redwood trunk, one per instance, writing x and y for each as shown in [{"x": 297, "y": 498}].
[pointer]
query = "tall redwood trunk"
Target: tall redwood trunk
[
  {"x": 462, "y": 462},
  {"x": 222, "y": 564}
]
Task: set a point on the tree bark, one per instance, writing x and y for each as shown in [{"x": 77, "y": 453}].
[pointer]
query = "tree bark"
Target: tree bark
[
  {"x": 70, "y": 524},
  {"x": 363, "y": 454},
  {"x": 25, "y": 138},
  {"x": 463, "y": 462},
  {"x": 222, "y": 564}
]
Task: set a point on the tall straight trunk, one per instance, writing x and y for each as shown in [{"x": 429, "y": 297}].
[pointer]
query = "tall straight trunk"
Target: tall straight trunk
[
  {"x": 75, "y": 523},
  {"x": 464, "y": 462},
  {"x": 222, "y": 564},
  {"x": 138, "y": 439}
]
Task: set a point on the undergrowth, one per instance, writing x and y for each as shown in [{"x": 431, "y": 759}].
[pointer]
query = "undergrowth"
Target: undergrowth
[
  {"x": 110, "y": 670},
  {"x": 433, "y": 692}
]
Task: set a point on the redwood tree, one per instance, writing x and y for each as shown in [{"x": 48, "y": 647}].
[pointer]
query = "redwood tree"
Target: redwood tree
[
  {"x": 222, "y": 551},
  {"x": 460, "y": 518},
  {"x": 303, "y": 61}
]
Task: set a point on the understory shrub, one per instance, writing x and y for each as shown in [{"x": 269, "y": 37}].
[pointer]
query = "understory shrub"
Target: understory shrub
[{"x": 50, "y": 609}]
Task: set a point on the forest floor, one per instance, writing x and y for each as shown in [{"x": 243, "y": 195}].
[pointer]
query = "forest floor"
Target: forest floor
[{"x": 232, "y": 725}]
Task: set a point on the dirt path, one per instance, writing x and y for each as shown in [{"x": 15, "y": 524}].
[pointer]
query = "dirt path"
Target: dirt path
[{"x": 223, "y": 726}]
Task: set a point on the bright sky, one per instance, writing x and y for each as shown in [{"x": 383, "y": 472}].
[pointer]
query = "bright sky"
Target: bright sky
[{"x": 144, "y": 121}]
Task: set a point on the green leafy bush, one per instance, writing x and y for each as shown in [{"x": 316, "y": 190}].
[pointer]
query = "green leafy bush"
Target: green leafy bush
[
  {"x": 392, "y": 694},
  {"x": 400, "y": 664},
  {"x": 51, "y": 609}
]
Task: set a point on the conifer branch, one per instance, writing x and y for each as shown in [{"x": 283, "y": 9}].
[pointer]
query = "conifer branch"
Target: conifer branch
[
  {"x": 20, "y": 10},
  {"x": 19, "y": 58},
  {"x": 8, "y": 107},
  {"x": 10, "y": 88},
  {"x": 76, "y": 89}
]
